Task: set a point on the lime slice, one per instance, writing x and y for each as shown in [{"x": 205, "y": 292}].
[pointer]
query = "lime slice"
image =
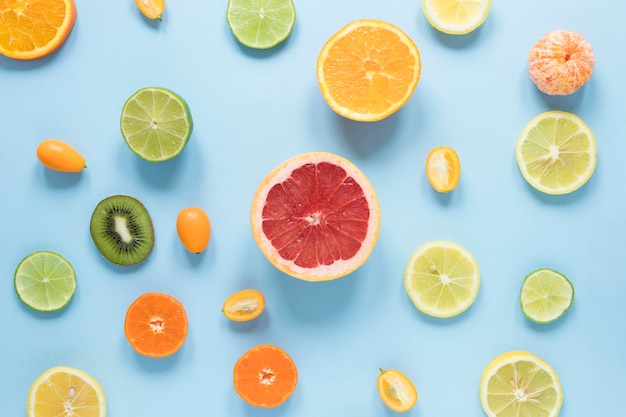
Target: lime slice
[
  {"x": 442, "y": 279},
  {"x": 156, "y": 123},
  {"x": 261, "y": 24},
  {"x": 45, "y": 281},
  {"x": 556, "y": 152},
  {"x": 456, "y": 17},
  {"x": 546, "y": 295},
  {"x": 519, "y": 384}
]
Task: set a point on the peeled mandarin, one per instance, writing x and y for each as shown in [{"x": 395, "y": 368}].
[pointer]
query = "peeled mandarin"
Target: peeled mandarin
[
  {"x": 57, "y": 155},
  {"x": 194, "y": 229}
]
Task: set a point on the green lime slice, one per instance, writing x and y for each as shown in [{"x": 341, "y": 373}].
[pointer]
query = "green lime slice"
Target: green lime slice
[
  {"x": 156, "y": 123},
  {"x": 261, "y": 24},
  {"x": 45, "y": 281},
  {"x": 546, "y": 295}
]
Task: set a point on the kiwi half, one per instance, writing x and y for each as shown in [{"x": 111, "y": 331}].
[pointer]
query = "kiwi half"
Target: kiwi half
[{"x": 122, "y": 230}]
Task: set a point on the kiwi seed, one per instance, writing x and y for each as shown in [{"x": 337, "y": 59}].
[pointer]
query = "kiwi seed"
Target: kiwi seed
[{"x": 122, "y": 230}]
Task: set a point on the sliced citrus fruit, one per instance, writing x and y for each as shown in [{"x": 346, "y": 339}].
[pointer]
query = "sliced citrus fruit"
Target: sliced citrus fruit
[
  {"x": 546, "y": 295},
  {"x": 443, "y": 169},
  {"x": 396, "y": 390},
  {"x": 45, "y": 281},
  {"x": 65, "y": 391},
  {"x": 561, "y": 62},
  {"x": 265, "y": 376},
  {"x": 156, "y": 325},
  {"x": 261, "y": 24},
  {"x": 520, "y": 384},
  {"x": 368, "y": 70},
  {"x": 152, "y": 9},
  {"x": 31, "y": 29},
  {"x": 316, "y": 217},
  {"x": 456, "y": 17},
  {"x": 59, "y": 156},
  {"x": 244, "y": 305},
  {"x": 156, "y": 123},
  {"x": 442, "y": 279},
  {"x": 194, "y": 229},
  {"x": 556, "y": 152}
]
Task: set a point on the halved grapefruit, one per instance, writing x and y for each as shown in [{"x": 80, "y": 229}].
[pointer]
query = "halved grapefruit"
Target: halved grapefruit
[{"x": 316, "y": 217}]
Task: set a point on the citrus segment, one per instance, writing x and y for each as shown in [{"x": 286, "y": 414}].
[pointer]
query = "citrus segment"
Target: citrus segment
[
  {"x": 45, "y": 281},
  {"x": 368, "y": 70},
  {"x": 396, "y": 390},
  {"x": 546, "y": 295},
  {"x": 156, "y": 123},
  {"x": 244, "y": 305},
  {"x": 443, "y": 169},
  {"x": 152, "y": 9},
  {"x": 316, "y": 217},
  {"x": 31, "y": 29},
  {"x": 59, "y": 156},
  {"x": 261, "y": 24},
  {"x": 520, "y": 384},
  {"x": 561, "y": 62},
  {"x": 265, "y": 376},
  {"x": 556, "y": 152},
  {"x": 194, "y": 229},
  {"x": 442, "y": 279},
  {"x": 65, "y": 391},
  {"x": 456, "y": 17},
  {"x": 156, "y": 325}
]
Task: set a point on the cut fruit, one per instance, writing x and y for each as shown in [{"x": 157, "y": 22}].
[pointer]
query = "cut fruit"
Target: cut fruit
[
  {"x": 556, "y": 152},
  {"x": 122, "y": 230},
  {"x": 519, "y": 384},
  {"x": 443, "y": 169},
  {"x": 456, "y": 17},
  {"x": 368, "y": 70},
  {"x": 316, "y": 217},
  {"x": 442, "y": 279},
  {"x": 396, "y": 390},
  {"x": 156, "y": 123},
  {"x": 59, "y": 156},
  {"x": 194, "y": 229},
  {"x": 261, "y": 24},
  {"x": 152, "y": 9},
  {"x": 65, "y": 391},
  {"x": 45, "y": 281},
  {"x": 31, "y": 29},
  {"x": 156, "y": 325},
  {"x": 546, "y": 295},
  {"x": 244, "y": 305},
  {"x": 561, "y": 62},
  {"x": 265, "y": 376}
]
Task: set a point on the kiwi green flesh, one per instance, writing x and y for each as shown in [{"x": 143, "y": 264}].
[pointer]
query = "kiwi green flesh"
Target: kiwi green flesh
[{"x": 122, "y": 230}]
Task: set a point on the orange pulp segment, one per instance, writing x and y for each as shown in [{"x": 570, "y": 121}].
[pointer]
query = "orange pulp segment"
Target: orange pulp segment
[
  {"x": 31, "y": 29},
  {"x": 265, "y": 376},
  {"x": 396, "y": 390},
  {"x": 156, "y": 325},
  {"x": 443, "y": 169},
  {"x": 59, "y": 156},
  {"x": 244, "y": 305},
  {"x": 368, "y": 70}
]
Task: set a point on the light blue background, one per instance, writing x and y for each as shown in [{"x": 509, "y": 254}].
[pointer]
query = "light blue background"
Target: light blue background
[{"x": 253, "y": 110}]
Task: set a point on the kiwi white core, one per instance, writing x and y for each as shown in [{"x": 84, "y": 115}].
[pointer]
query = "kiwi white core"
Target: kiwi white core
[{"x": 121, "y": 229}]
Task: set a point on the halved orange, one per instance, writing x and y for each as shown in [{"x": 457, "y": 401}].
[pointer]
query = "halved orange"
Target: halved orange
[
  {"x": 443, "y": 168},
  {"x": 156, "y": 325},
  {"x": 265, "y": 376},
  {"x": 368, "y": 70},
  {"x": 31, "y": 29},
  {"x": 316, "y": 217},
  {"x": 244, "y": 305}
]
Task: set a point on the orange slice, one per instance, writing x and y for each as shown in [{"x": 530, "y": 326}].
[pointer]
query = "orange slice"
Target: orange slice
[
  {"x": 368, "y": 70},
  {"x": 265, "y": 376},
  {"x": 443, "y": 169},
  {"x": 156, "y": 325},
  {"x": 244, "y": 305},
  {"x": 396, "y": 390},
  {"x": 316, "y": 217},
  {"x": 31, "y": 29}
]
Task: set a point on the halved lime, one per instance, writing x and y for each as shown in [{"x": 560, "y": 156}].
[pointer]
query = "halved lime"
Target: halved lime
[
  {"x": 546, "y": 295},
  {"x": 45, "y": 281},
  {"x": 156, "y": 123},
  {"x": 442, "y": 279},
  {"x": 261, "y": 24}
]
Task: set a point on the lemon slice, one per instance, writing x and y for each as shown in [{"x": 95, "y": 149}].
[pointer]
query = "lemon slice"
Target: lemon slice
[
  {"x": 556, "y": 152},
  {"x": 546, "y": 295},
  {"x": 456, "y": 17},
  {"x": 65, "y": 391},
  {"x": 519, "y": 384},
  {"x": 442, "y": 279}
]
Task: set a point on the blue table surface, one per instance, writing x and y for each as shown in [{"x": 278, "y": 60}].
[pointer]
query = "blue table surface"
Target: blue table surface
[{"x": 255, "y": 109}]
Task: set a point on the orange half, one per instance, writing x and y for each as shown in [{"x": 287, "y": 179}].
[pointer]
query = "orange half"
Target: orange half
[
  {"x": 443, "y": 169},
  {"x": 31, "y": 29}
]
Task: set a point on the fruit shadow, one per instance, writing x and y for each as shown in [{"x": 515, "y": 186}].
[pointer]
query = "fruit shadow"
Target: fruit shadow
[
  {"x": 569, "y": 103},
  {"x": 366, "y": 138},
  {"x": 160, "y": 175},
  {"x": 154, "y": 365},
  {"x": 456, "y": 41},
  {"x": 245, "y": 409},
  {"x": 61, "y": 180}
]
